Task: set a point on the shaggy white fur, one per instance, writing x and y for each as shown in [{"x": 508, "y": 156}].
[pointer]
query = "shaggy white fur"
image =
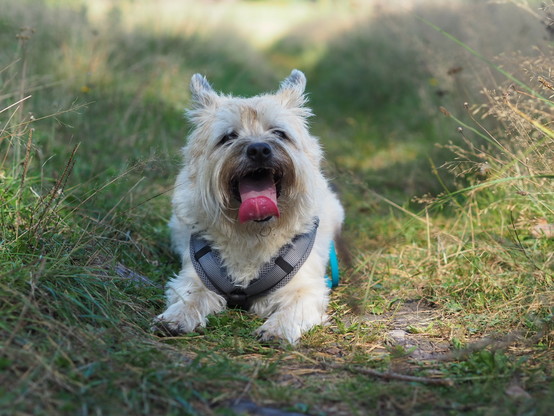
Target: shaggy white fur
[{"x": 206, "y": 201}]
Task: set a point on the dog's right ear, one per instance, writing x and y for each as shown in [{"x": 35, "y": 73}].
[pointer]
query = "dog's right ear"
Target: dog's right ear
[
  {"x": 292, "y": 89},
  {"x": 203, "y": 95}
]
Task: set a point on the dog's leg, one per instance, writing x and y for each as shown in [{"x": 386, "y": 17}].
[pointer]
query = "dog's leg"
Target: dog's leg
[
  {"x": 189, "y": 303},
  {"x": 301, "y": 305}
]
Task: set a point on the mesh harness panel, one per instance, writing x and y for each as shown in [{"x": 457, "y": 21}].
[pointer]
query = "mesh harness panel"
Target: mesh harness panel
[{"x": 273, "y": 275}]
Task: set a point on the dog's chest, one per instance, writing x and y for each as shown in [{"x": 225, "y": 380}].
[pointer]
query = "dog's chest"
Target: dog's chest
[{"x": 243, "y": 262}]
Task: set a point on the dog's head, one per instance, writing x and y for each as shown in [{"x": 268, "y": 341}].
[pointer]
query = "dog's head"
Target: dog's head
[{"x": 252, "y": 160}]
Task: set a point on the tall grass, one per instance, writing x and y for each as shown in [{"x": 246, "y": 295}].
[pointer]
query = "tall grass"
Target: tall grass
[
  {"x": 377, "y": 83},
  {"x": 482, "y": 249}
]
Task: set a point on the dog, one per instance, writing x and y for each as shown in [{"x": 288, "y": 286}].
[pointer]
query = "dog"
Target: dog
[{"x": 252, "y": 203}]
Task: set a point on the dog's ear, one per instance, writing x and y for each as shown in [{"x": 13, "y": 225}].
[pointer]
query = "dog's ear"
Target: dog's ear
[
  {"x": 292, "y": 89},
  {"x": 203, "y": 95}
]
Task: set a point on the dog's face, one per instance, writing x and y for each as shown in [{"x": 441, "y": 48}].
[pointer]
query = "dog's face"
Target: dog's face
[{"x": 252, "y": 160}]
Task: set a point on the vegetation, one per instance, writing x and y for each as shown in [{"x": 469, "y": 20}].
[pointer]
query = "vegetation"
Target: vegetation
[{"x": 441, "y": 145}]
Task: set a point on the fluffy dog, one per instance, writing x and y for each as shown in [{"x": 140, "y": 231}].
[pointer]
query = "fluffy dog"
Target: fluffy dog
[{"x": 250, "y": 189}]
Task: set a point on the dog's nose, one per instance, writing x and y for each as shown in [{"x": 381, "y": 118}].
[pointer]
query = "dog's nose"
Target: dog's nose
[{"x": 259, "y": 152}]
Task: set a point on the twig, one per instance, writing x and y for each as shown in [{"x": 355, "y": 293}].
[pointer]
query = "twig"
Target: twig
[
  {"x": 16, "y": 103},
  {"x": 392, "y": 376},
  {"x": 126, "y": 273},
  {"x": 26, "y": 162},
  {"x": 48, "y": 204}
]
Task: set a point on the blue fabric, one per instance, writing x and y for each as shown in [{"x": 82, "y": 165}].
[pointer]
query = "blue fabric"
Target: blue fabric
[{"x": 333, "y": 280}]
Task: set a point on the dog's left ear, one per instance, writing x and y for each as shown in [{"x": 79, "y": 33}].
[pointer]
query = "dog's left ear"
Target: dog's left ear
[
  {"x": 203, "y": 95},
  {"x": 292, "y": 89}
]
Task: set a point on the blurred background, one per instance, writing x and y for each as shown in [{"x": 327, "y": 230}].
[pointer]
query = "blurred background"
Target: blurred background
[{"x": 115, "y": 73}]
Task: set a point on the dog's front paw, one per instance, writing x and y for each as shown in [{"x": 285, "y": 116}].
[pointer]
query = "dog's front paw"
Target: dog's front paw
[
  {"x": 179, "y": 318},
  {"x": 164, "y": 328},
  {"x": 277, "y": 332},
  {"x": 270, "y": 338},
  {"x": 290, "y": 323}
]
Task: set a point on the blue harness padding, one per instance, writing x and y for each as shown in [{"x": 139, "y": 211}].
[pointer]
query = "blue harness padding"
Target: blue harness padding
[
  {"x": 273, "y": 275},
  {"x": 333, "y": 280}
]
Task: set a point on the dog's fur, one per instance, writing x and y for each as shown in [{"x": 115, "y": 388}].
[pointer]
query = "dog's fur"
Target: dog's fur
[{"x": 205, "y": 202}]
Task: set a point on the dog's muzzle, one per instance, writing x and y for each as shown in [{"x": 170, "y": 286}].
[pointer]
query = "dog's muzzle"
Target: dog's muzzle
[
  {"x": 259, "y": 152},
  {"x": 258, "y": 187}
]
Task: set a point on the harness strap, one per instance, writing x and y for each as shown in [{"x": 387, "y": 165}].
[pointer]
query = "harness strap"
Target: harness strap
[
  {"x": 208, "y": 266},
  {"x": 272, "y": 276},
  {"x": 283, "y": 267}
]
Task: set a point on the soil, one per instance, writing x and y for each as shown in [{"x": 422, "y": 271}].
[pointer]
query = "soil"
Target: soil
[{"x": 406, "y": 329}]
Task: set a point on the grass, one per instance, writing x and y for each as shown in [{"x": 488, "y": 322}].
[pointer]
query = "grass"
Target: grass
[{"x": 449, "y": 219}]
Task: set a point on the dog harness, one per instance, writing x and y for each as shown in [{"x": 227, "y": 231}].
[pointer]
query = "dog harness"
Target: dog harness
[{"x": 276, "y": 273}]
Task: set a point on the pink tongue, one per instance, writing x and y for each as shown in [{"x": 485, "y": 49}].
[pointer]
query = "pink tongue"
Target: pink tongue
[{"x": 259, "y": 198}]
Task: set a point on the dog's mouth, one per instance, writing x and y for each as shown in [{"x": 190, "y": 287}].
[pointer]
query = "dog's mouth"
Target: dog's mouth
[{"x": 257, "y": 192}]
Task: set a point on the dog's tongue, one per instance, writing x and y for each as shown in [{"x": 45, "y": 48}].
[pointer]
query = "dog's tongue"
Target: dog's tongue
[{"x": 259, "y": 198}]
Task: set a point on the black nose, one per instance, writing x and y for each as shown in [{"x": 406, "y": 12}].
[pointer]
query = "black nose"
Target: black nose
[{"x": 259, "y": 152}]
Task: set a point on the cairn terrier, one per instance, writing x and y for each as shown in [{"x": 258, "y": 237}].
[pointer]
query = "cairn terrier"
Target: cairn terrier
[{"x": 253, "y": 215}]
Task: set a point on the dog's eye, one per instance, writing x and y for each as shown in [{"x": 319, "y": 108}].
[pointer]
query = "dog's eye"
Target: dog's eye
[
  {"x": 280, "y": 134},
  {"x": 228, "y": 137}
]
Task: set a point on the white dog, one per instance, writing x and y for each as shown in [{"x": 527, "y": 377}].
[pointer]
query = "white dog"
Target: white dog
[{"x": 253, "y": 215}]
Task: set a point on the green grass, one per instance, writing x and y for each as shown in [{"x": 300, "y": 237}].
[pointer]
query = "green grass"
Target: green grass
[{"x": 452, "y": 272}]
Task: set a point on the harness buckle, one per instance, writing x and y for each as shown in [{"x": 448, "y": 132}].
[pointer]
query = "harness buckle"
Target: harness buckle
[{"x": 238, "y": 299}]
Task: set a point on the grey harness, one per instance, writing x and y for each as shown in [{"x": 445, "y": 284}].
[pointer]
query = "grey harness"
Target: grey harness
[{"x": 276, "y": 273}]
